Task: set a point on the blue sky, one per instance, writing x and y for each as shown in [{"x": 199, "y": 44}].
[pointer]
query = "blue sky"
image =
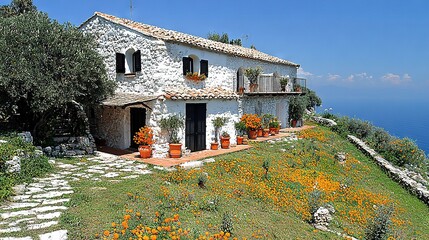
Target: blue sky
[{"x": 347, "y": 49}]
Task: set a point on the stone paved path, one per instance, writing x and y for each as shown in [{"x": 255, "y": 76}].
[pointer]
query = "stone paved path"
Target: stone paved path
[{"x": 35, "y": 210}]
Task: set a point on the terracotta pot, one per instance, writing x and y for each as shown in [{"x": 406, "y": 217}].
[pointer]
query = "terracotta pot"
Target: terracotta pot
[
  {"x": 240, "y": 140},
  {"x": 224, "y": 142},
  {"x": 266, "y": 133},
  {"x": 278, "y": 130},
  {"x": 273, "y": 131},
  {"x": 260, "y": 132},
  {"x": 294, "y": 123},
  {"x": 175, "y": 150},
  {"x": 214, "y": 146},
  {"x": 253, "y": 87},
  {"x": 252, "y": 134},
  {"x": 241, "y": 90},
  {"x": 145, "y": 151}
]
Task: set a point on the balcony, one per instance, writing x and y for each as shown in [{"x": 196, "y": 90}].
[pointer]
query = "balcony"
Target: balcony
[{"x": 270, "y": 84}]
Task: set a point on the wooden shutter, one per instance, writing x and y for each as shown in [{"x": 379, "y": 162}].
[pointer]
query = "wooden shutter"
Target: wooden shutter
[
  {"x": 137, "y": 61},
  {"x": 187, "y": 65},
  {"x": 120, "y": 63},
  {"x": 204, "y": 67}
]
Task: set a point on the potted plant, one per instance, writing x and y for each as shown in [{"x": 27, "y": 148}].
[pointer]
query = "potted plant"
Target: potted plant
[
  {"x": 252, "y": 74},
  {"x": 297, "y": 88},
  {"x": 296, "y": 109},
  {"x": 253, "y": 123},
  {"x": 194, "y": 76},
  {"x": 283, "y": 83},
  {"x": 241, "y": 128},
  {"x": 274, "y": 125},
  {"x": 144, "y": 137},
  {"x": 266, "y": 119},
  {"x": 217, "y": 122},
  {"x": 224, "y": 140},
  {"x": 172, "y": 124}
]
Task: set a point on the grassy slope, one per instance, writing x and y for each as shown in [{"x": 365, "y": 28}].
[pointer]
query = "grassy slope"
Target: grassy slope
[{"x": 273, "y": 208}]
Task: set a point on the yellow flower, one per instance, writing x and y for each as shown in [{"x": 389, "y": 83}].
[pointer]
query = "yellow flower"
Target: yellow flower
[{"x": 106, "y": 233}]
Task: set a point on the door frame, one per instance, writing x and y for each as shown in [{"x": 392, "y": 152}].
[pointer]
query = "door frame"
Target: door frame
[
  {"x": 133, "y": 130},
  {"x": 198, "y": 139}
]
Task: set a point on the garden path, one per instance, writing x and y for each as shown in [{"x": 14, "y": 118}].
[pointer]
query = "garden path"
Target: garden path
[{"x": 34, "y": 212}]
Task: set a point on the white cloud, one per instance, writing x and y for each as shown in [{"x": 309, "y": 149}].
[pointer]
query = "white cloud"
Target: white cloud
[
  {"x": 333, "y": 77},
  {"x": 396, "y": 79},
  {"x": 304, "y": 74}
]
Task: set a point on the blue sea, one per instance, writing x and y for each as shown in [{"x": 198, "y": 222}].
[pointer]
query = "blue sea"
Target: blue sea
[{"x": 400, "y": 117}]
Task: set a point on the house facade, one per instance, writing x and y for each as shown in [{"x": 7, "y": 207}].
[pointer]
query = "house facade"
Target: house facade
[{"x": 150, "y": 65}]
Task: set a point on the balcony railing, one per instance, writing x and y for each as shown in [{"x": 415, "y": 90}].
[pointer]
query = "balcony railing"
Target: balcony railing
[{"x": 270, "y": 84}]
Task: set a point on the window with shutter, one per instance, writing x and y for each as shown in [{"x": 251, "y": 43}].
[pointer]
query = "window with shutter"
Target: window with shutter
[
  {"x": 137, "y": 61},
  {"x": 187, "y": 65},
  {"x": 204, "y": 67},
  {"x": 120, "y": 63}
]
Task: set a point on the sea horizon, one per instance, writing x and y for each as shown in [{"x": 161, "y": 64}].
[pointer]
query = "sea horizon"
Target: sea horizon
[{"x": 400, "y": 117}]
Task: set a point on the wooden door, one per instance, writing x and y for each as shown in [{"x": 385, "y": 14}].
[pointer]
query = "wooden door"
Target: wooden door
[
  {"x": 195, "y": 129},
  {"x": 137, "y": 120}
]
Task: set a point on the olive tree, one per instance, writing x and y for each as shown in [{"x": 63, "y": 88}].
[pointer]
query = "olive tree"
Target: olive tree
[{"x": 45, "y": 65}]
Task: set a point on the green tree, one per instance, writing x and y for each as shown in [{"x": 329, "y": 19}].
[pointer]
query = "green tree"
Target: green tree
[
  {"x": 17, "y": 7},
  {"x": 46, "y": 65},
  {"x": 311, "y": 98},
  {"x": 224, "y": 38}
]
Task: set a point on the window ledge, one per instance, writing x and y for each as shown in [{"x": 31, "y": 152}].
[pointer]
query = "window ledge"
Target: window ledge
[{"x": 130, "y": 75}]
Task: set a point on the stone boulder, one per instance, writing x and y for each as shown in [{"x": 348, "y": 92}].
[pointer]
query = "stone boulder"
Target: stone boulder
[
  {"x": 26, "y": 136},
  {"x": 322, "y": 217},
  {"x": 13, "y": 165}
]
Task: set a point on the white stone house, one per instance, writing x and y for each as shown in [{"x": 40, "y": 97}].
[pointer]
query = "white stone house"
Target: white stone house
[{"x": 149, "y": 65}]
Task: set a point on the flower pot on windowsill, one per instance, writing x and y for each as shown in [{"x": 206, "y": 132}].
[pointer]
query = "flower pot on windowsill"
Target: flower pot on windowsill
[
  {"x": 224, "y": 142},
  {"x": 214, "y": 146},
  {"x": 175, "y": 150},
  {"x": 145, "y": 151}
]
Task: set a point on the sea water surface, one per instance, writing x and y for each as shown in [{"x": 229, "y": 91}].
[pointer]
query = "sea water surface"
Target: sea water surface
[{"x": 400, "y": 117}]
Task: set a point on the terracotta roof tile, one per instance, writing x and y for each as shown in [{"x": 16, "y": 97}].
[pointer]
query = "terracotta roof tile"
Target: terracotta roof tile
[
  {"x": 198, "y": 94},
  {"x": 174, "y": 36}
]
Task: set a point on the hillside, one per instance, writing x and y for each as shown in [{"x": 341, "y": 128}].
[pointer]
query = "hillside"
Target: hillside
[{"x": 234, "y": 193}]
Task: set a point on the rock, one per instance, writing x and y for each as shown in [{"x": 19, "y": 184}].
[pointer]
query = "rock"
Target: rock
[
  {"x": 14, "y": 165},
  {"x": 341, "y": 156},
  {"x": 325, "y": 121},
  {"x": 26, "y": 136},
  {"x": 321, "y": 218},
  {"x": 2, "y": 141},
  {"x": 47, "y": 150},
  {"x": 56, "y": 235}
]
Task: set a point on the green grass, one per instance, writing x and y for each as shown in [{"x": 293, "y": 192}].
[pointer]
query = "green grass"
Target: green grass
[{"x": 272, "y": 208}]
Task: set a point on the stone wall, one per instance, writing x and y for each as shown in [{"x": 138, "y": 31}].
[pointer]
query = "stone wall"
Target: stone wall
[
  {"x": 162, "y": 61},
  {"x": 397, "y": 174},
  {"x": 275, "y": 105}
]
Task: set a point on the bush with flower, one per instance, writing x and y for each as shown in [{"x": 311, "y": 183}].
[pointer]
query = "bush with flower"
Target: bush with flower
[
  {"x": 252, "y": 121},
  {"x": 144, "y": 136}
]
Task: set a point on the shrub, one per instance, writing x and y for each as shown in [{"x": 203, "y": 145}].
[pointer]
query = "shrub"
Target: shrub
[
  {"x": 405, "y": 151},
  {"x": 314, "y": 201},
  {"x": 32, "y": 164},
  {"x": 227, "y": 225},
  {"x": 379, "y": 226}
]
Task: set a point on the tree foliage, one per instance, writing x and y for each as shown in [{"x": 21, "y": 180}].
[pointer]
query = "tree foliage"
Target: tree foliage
[
  {"x": 312, "y": 99},
  {"x": 17, "y": 7},
  {"x": 45, "y": 65},
  {"x": 224, "y": 39}
]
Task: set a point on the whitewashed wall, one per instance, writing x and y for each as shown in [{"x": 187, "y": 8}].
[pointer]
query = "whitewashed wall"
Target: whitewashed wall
[
  {"x": 275, "y": 105},
  {"x": 162, "y": 61},
  {"x": 162, "y": 70}
]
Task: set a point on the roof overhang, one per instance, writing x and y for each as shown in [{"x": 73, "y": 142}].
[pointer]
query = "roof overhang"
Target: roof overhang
[{"x": 124, "y": 100}]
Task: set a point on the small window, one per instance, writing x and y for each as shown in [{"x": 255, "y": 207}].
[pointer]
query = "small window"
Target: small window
[
  {"x": 128, "y": 63},
  {"x": 190, "y": 64}
]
